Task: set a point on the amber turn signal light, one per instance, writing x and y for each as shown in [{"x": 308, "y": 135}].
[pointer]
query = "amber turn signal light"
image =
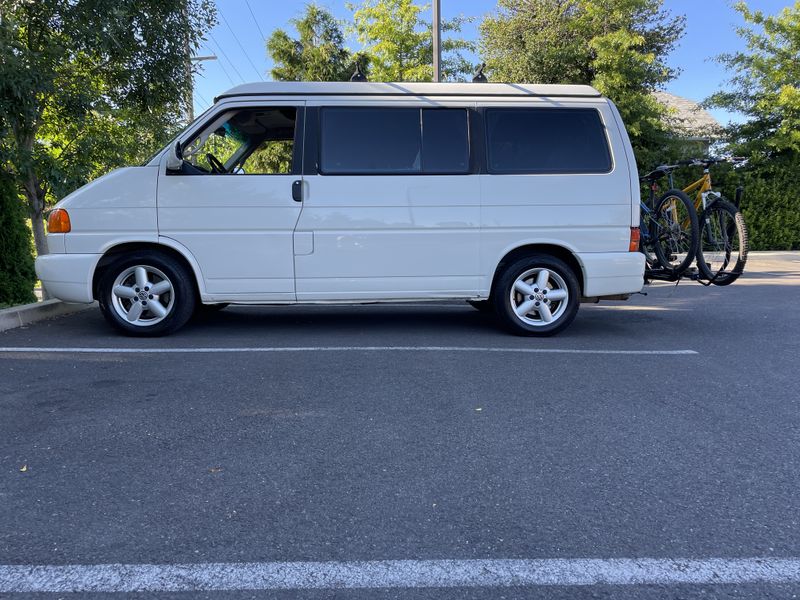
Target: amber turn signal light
[
  {"x": 58, "y": 221},
  {"x": 634, "y": 245}
]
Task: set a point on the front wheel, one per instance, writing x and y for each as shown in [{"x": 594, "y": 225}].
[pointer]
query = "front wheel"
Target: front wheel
[
  {"x": 723, "y": 243},
  {"x": 674, "y": 232},
  {"x": 146, "y": 293},
  {"x": 537, "y": 295}
]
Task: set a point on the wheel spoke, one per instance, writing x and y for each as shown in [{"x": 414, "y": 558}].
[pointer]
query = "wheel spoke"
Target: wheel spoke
[
  {"x": 157, "y": 308},
  {"x": 544, "y": 312},
  {"x": 123, "y": 291},
  {"x": 557, "y": 295},
  {"x": 524, "y": 308},
  {"x": 135, "y": 312},
  {"x": 141, "y": 277},
  {"x": 161, "y": 287},
  {"x": 542, "y": 278},
  {"x": 523, "y": 288}
]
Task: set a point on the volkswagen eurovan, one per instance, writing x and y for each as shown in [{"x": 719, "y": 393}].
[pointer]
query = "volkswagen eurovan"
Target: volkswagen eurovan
[{"x": 522, "y": 199}]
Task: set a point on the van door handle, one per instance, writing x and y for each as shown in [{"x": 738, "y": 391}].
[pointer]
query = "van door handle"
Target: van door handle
[{"x": 297, "y": 190}]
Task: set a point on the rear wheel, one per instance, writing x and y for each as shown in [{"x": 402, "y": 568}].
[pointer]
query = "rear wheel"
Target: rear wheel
[
  {"x": 146, "y": 293},
  {"x": 674, "y": 232},
  {"x": 536, "y": 295},
  {"x": 723, "y": 243}
]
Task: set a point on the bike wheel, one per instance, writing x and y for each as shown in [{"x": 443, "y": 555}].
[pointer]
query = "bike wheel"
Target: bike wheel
[
  {"x": 674, "y": 232},
  {"x": 723, "y": 243}
]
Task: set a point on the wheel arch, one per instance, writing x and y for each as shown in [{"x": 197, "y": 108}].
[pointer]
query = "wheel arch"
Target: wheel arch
[
  {"x": 164, "y": 246},
  {"x": 560, "y": 252}
]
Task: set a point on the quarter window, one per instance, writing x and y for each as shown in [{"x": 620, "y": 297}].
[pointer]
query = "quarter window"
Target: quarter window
[
  {"x": 546, "y": 140},
  {"x": 394, "y": 141}
]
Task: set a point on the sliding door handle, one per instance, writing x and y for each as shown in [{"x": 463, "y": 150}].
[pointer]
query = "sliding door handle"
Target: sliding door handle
[{"x": 297, "y": 190}]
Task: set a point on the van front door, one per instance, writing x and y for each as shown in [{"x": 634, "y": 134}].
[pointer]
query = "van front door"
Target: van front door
[
  {"x": 391, "y": 207},
  {"x": 231, "y": 204}
]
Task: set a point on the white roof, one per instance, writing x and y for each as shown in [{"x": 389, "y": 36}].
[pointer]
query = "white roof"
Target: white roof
[{"x": 337, "y": 88}]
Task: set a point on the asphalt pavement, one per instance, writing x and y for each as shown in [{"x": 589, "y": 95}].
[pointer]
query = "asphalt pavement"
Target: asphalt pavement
[{"x": 665, "y": 427}]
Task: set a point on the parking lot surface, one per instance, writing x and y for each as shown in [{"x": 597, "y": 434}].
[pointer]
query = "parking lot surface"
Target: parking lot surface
[{"x": 666, "y": 428}]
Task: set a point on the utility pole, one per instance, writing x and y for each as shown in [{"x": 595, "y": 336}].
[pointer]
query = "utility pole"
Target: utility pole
[
  {"x": 188, "y": 65},
  {"x": 437, "y": 40},
  {"x": 190, "y": 75},
  {"x": 189, "y": 70}
]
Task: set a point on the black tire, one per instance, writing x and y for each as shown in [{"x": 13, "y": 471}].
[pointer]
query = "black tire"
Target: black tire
[
  {"x": 484, "y": 306},
  {"x": 722, "y": 253},
  {"x": 534, "y": 322},
  {"x": 177, "y": 303},
  {"x": 674, "y": 232}
]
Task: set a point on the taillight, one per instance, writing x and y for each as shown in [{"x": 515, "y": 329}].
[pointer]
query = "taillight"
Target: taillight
[
  {"x": 634, "y": 245},
  {"x": 58, "y": 221}
]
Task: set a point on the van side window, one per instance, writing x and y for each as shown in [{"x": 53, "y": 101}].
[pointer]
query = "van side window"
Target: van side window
[
  {"x": 254, "y": 141},
  {"x": 393, "y": 141},
  {"x": 546, "y": 140}
]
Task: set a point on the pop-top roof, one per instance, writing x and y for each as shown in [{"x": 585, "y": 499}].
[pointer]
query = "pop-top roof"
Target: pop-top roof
[{"x": 334, "y": 88}]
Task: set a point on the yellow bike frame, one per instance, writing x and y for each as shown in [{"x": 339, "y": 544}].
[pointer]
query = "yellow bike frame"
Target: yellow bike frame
[{"x": 701, "y": 186}]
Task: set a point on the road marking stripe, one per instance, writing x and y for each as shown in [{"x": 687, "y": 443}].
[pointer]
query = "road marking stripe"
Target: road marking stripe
[
  {"x": 79, "y": 350},
  {"x": 395, "y": 574}
]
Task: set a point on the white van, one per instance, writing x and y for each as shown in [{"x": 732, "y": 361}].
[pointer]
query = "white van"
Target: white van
[{"x": 519, "y": 198}]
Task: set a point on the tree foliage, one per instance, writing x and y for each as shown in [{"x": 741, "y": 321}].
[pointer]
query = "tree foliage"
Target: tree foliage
[
  {"x": 87, "y": 85},
  {"x": 17, "y": 276},
  {"x": 766, "y": 83},
  {"x": 317, "y": 54},
  {"x": 397, "y": 38},
  {"x": 617, "y": 46},
  {"x": 765, "y": 87}
]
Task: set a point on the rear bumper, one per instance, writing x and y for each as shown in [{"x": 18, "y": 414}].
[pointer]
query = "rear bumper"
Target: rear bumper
[
  {"x": 68, "y": 277},
  {"x": 611, "y": 273}
]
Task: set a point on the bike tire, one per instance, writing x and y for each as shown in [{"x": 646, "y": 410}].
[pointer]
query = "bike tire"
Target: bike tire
[
  {"x": 675, "y": 232},
  {"x": 723, "y": 239}
]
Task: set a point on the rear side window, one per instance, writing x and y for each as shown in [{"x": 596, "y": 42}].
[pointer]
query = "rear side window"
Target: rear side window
[
  {"x": 393, "y": 141},
  {"x": 546, "y": 140}
]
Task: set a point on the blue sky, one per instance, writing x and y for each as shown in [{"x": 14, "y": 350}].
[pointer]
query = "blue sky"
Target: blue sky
[{"x": 238, "y": 43}]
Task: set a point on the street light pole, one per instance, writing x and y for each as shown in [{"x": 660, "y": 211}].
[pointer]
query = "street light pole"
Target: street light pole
[{"x": 437, "y": 41}]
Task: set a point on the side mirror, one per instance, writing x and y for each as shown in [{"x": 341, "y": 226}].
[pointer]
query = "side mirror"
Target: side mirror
[{"x": 175, "y": 158}]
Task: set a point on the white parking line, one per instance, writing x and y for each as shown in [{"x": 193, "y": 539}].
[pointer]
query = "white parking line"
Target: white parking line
[
  {"x": 396, "y": 574},
  {"x": 84, "y": 350}
]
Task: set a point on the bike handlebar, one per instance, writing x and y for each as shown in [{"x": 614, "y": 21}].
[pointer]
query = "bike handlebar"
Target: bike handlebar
[{"x": 664, "y": 170}]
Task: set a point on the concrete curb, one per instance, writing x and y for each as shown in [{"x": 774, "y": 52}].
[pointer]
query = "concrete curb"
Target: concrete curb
[{"x": 25, "y": 314}]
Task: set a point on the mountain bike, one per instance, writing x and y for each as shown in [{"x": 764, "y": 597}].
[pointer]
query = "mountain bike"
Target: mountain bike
[
  {"x": 669, "y": 231},
  {"x": 722, "y": 252}
]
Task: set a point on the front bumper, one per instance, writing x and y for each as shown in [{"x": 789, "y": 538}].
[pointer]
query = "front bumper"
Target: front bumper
[{"x": 68, "y": 277}]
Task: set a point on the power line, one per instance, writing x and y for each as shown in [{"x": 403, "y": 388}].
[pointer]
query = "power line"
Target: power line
[
  {"x": 224, "y": 70},
  {"x": 205, "y": 102},
  {"x": 263, "y": 37},
  {"x": 225, "y": 55},
  {"x": 235, "y": 37}
]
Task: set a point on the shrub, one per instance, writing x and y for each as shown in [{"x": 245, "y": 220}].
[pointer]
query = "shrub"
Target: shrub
[{"x": 17, "y": 275}]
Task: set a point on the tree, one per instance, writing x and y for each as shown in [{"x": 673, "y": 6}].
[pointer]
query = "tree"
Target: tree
[
  {"x": 765, "y": 88},
  {"x": 318, "y": 53},
  {"x": 86, "y": 84},
  {"x": 617, "y": 46},
  {"x": 399, "y": 43},
  {"x": 766, "y": 84}
]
